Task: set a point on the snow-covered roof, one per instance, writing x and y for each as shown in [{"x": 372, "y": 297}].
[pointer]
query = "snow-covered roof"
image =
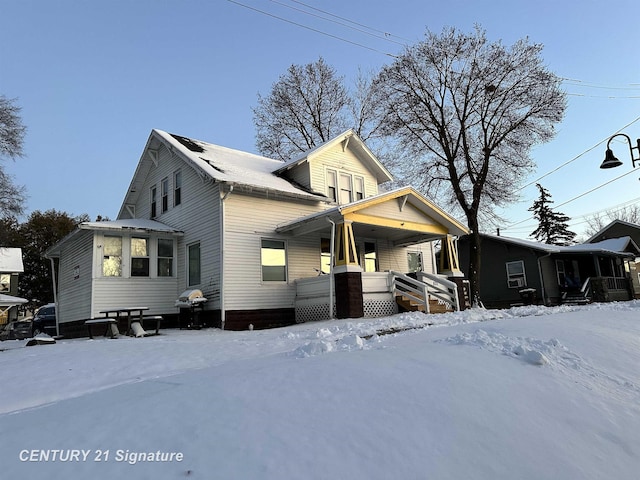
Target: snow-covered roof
[
  {"x": 617, "y": 246},
  {"x": 10, "y": 301},
  {"x": 127, "y": 224},
  {"x": 347, "y": 138},
  {"x": 140, "y": 224},
  {"x": 235, "y": 167},
  {"x": 11, "y": 260}
]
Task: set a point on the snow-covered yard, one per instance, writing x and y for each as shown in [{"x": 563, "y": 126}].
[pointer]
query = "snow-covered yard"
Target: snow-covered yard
[{"x": 527, "y": 393}]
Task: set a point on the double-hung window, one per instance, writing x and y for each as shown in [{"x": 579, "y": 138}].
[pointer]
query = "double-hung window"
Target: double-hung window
[
  {"x": 193, "y": 252},
  {"x": 112, "y": 256},
  {"x": 154, "y": 201},
  {"x": 359, "y": 187},
  {"x": 177, "y": 188},
  {"x": 139, "y": 257},
  {"x": 346, "y": 189},
  {"x": 164, "y": 185},
  {"x": 516, "y": 277},
  {"x": 332, "y": 185},
  {"x": 273, "y": 257},
  {"x": 165, "y": 257}
]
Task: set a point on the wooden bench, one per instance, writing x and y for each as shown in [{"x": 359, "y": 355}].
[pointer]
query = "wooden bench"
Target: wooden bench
[
  {"x": 109, "y": 322},
  {"x": 153, "y": 318}
]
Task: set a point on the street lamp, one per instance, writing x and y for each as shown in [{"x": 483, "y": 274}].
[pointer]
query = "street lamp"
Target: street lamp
[{"x": 610, "y": 161}]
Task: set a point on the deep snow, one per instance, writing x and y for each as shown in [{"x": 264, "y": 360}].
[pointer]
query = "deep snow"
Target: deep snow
[{"x": 526, "y": 393}]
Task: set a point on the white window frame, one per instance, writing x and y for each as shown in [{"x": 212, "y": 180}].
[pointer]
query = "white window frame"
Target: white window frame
[
  {"x": 516, "y": 280},
  {"x": 188, "y": 252},
  {"x": 164, "y": 194},
  {"x": 153, "y": 201},
  {"x": 358, "y": 187},
  {"x": 177, "y": 188},
  {"x": 263, "y": 265},
  {"x": 332, "y": 184}
]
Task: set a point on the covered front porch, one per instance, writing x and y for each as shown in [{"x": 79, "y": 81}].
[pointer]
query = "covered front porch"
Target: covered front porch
[{"x": 378, "y": 258}]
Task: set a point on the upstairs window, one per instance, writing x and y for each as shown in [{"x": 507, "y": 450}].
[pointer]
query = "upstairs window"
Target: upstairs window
[
  {"x": 346, "y": 192},
  {"x": 177, "y": 188},
  {"x": 139, "y": 257},
  {"x": 112, "y": 257},
  {"x": 359, "y": 187},
  {"x": 332, "y": 185},
  {"x": 165, "y": 194},
  {"x": 154, "y": 202}
]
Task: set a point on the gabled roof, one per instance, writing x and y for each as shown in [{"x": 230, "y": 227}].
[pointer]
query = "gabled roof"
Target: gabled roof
[
  {"x": 623, "y": 246},
  {"x": 617, "y": 228},
  {"x": 11, "y": 260},
  {"x": 219, "y": 164},
  {"x": 414, "y": 218},
  {"x": 348, "y": 139}
]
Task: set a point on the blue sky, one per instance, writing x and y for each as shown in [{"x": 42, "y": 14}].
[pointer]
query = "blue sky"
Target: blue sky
[{"x": 93, "y": 79}]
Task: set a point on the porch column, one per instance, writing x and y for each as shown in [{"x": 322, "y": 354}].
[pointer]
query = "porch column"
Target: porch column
[
  {"x": 449, "y": 263},
  {"x": 347, "y": 273}
]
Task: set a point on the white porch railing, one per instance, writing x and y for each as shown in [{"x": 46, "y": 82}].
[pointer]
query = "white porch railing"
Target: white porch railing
[
  {"x": 378, "y": 291},
  {"x": 426, "y": 285}
]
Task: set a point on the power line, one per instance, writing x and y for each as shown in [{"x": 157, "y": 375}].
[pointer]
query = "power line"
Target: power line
[
  {"x": 310, "y": 28},
  {"x": 365, "y": 29},
  {"x": 576, "y": 157}
]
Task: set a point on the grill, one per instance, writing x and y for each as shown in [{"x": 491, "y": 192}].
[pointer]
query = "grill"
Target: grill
[{"x": 191, "y": 303}]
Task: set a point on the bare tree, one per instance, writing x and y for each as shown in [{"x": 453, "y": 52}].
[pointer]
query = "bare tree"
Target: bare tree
[
  {"x": 305, "y": 108},
  {"x": 12, "y": 133},
  {"x": 310, "y": 105},
  {"x": 467, "y": 113},
  {"x": 596, "y": 222}
]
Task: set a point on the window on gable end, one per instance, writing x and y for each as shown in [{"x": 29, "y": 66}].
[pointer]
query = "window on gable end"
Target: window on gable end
[
  {"x": 154, "y": 201},
  {"x": 332, "y": 185},
  {"x": 165, "y": 194},
  {"x": 177, "y": 188},
  {"x": 359, "y": 187},
  {"x": 346, "y": 189}
]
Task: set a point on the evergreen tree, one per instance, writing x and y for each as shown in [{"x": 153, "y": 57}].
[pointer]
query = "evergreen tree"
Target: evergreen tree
[{"x": 552, "y": 226}]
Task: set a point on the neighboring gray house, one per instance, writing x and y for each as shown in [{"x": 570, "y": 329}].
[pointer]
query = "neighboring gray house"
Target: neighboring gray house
[
  {"x": 255, "y": 236},
  {"x": 617, "y": 229},
  {"x": 10, "y": 267},
  {"x": 513, "y": 270}
]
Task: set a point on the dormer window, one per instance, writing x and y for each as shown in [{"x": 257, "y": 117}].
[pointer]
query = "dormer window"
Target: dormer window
[{"x": 343, "y": 187}]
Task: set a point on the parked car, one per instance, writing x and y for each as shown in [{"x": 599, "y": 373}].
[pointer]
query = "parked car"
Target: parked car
[
  {"x": 16, "y": 330},
  {"x": 44, "y": 321}
]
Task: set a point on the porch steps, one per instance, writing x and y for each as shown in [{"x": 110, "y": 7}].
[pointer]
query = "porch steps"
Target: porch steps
[
  {"x": 408, "y": 305},
  {"x": 575, "y": 299}
]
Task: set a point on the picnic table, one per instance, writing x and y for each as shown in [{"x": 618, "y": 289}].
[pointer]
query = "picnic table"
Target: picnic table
[{"x": 129, "y": 312}]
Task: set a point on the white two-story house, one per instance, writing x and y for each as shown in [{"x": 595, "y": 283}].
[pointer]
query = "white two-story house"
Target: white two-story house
[{"x": 267, "y": 242}]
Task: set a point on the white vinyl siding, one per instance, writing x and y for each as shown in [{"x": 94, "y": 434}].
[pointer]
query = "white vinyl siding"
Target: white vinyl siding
[
  {"x": 342, "y": 162},
  {"x": 75, "y": 278}
]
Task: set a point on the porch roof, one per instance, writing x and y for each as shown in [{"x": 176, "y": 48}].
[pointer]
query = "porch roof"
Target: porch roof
[
  {"x": 623, "y": 246},
  {"x": 10, "y": 301},
  {"x": 404, "y": 216}
]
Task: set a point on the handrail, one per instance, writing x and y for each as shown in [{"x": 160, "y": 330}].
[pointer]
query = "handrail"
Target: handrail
[
  {"x": 407, "y": 287},
  {"x": 426, "y": 285},
  {"x": 441, "y": 288}
]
